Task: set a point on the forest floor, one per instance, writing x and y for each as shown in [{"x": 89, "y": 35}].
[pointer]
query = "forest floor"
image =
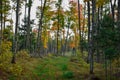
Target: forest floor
[{"x": 53, "y": 68}]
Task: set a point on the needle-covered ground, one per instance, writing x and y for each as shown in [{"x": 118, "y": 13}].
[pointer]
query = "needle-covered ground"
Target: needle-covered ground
[{"x": 50, "y": 68}]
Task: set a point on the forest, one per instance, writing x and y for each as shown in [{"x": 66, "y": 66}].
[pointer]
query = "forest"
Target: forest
[{"x": 66, "y": 40}]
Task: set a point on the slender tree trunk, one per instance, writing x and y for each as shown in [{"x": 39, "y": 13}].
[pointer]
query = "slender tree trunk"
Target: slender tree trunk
[
  {"x": 28, "y": 26},
  {"x": 58, "y": 33},
  {"x": 79, "y": 24},
  {"x": 4, "y": 21},
  {"x": 113, "y": 8},
  {"x": 101, "y": 12},
  {"x": 118, "y": 10},
  {"x": 110, "y": 70},
  {"x": 1, "y": 16},
  {"x": 66, "y": 39},
  {"x": 119, "y": 23},
  {"x": 83, "y": 32},
  {"x": 16, "y": 32},
  {"x": 106, "y": 71},
  {"x": 89, "y": 32},
  {"x": 4, "y": 17},
  {"x": 38, "y": 46},
  {"x": 58, "y": 30},
  {"x": 92, "y": 37},
  {"x": 97, "y": 47},
  {"x": 25, "y": 27}
]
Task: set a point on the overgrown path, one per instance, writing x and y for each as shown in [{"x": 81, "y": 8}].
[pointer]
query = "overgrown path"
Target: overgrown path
[
  {"x": 63, "y": 68},
  {"x": 53, "y": 68}
]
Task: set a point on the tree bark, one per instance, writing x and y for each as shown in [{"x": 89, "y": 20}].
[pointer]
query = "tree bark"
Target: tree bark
[
  {"x": 38, "y": 45},
  {"x": 28, "y": 26},
  {"x": 79, "y": 24},
  {"x": 92, "y": 37},
  {"x": 4, "y": 17},
  {"x": 119, "y": 23},
  {"x": 89, "y": 32},
  {"x": 24, "y": 45},
  {"x": 97, "y": 47},
  {"x": 119, "y": 10},
  {"x": 113, "y": 8},
  {"x": 58, "y": 30},
  {"x": 1, "y": 16},
  {"x": 16, "y": 33},
  {"x": 66, "y": 39}
]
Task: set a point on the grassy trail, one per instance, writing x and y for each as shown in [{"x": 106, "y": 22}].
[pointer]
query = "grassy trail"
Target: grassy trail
[{"x": 54, "y": 68}]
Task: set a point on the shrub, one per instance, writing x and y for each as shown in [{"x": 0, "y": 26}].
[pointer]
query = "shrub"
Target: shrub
[
  {"x": 23, "y": 54},
  {"x": 15, "y": 69},
  {"x": 5, "y": 46},
  {"x": 68, "y": 74},
  {"x": 6, "y": 54},
  {"x": 6, "y": 57},
  {"x": 64, "y": 67}
]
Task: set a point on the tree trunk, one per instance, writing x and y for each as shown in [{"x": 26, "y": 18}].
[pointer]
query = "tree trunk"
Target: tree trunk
[
  {"x": 79, "y": 24},
  {"x": 113, "y": 8},
  {"x": 92, "y": 37},
  {"x": 1, "y": 16},
  {"x": 24, "y": 45},
  {"x": 4, "y": 17},
  {"x": 58, "y": 30},
  {"x": 89, "y": 32},
  {"x": 83, "y": 32},
  {"x": 106, "y": 71},
  {"x": 119, "y": 23},
  {"x": 66, "y": 39},
  {"x": 97, "y": 47},
  {"x": 119, "y": 10},
  {"x": 16, "y": 32},
  {"x": 101, "y": 12},
  {"x": 28, "y": 26},
  {"x": 38, "y": 45}
]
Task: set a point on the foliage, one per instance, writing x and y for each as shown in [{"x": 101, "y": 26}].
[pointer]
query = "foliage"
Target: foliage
[
  {"x": 15, "y": 69},
  {"x": 7, "y": 34},
  {"x": 5, "y": 46},
  {"x": 5, "y": 57},
  {"x": 23, "y": 54},
  {"x": 6, "y": 53},
  {"x": 107, "y": 37},
  {"x": 68, "y": 74}
]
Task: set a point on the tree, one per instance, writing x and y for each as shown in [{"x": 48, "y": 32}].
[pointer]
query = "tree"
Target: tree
[
  {"x": 6, "y": 9},
  {"x": 89, "y": 32},
  {"x": 113, "y": 8},
  {"x": 28, "y": 26},
  {"x": 23, "y": 34},
  {"x": 92, "y": 36},
  {"x": 1, "y": 19},
  {"x": 58, "y": 9},
  {"x": 38, "y": 47},
  {"x": 16, "y": 31},
  {"x": 79, "y": 23}
]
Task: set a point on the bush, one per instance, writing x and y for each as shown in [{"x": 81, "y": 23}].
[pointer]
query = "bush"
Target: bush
[
  {"x": 5, "y": 47},
  {"x": 68, "y": 74},
  {"x": 15, "y": 69},
  {"x": 6, "y": 57},
  {"x": 64, "y": 67},
  {"x": 6, "y": 54},
  {"x": 23, "y": 54}
]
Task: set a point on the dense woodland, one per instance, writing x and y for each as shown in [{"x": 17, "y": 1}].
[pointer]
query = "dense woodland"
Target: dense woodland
[{"x": 81, "y": 42}]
